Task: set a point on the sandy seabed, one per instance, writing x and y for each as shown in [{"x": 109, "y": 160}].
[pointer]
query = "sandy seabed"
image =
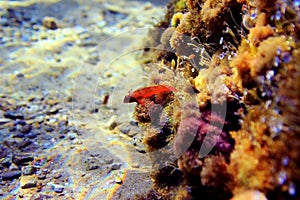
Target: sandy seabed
[{"x": 59, "y": 61}]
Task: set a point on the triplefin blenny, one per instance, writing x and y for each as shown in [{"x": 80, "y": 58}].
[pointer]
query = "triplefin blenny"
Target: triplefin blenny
[{"x": 142, "y": 95}]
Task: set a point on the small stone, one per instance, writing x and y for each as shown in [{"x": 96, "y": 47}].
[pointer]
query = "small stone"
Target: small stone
[
  {"x": 27, "y": 182},
  {"x": 31, "y": 135},
  {"x": 26, "y": 128},
  {"x": 133, "y": 123},
  {"x": 50, "y": 22},
  {"x": 24, "y": 143},
  {"x": 116, "y": 166},
  {"x": 28, "y": 170},
  {"x": 13, "y": 167},
  {"x": 140, "y": 150},
  {"x": 12, "y": 114},
  {"x": 49, "y": 128},
  {"x": 71, "y": 135},
  {"x": 32, "y": 109},
  {"x": 52, "y": 111},
  {"x": 125, "y": 129},
  {"x": 19, "y": 123},
  {"x": 39, "y": 119},
  {"x": 57, "y": 175},
  {"x": 45, "y": 171},
  {"x": 10, "y": 175},
  {"x": 56, "y": 188},
  {"x": 118, "y": 180},
  {"x": 108, "y": 160},
  {"x": 92, "y": 166},
  {"x": 6, "y": 161},
  {"x": 76, "y": 142},
  {"x": 41, "y": 177},
  {"x": 112, "y": 125},
  {"x": 4, "y": 121},
  {"x": 22, "y": 159}
]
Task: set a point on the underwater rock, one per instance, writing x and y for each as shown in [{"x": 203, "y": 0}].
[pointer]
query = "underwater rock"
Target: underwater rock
[
  {"x": 50, "y": 23},
  {"x": 13, "y": 114},
  {"x": 26, "y": 128},
  {"x": 27, "y": 182},
  {"x": 243, "y": 58},
  {"x": 22, "y": 159},
  {"x": 10, "y": 175},
  {"x": 56, "y": 187},
  {"x": 28, "y": 170}
]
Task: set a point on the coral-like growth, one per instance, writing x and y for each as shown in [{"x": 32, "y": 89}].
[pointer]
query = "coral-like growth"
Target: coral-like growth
[{"x": 235, "y": 131}]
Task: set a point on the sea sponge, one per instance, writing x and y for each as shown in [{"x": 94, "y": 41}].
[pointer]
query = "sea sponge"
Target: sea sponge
[
  {"x": 266, "y": 53},
  {"x": 214, "y": 173},
  {"x": 259, "y": 33},
  {"x": 250, "y": 162}
]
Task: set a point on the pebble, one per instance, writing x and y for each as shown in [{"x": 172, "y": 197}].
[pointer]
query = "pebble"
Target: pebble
[
  {"x": 4, "y": 121},
  {"x": 32, "y": 109},
  {"x": 133, "y": 123},
  {"x": 40, "y": 118},
  {"x": 112, "y": 125},
  {"x": 12, "y": 114},
  {"x": 22, "y": 159},
  {"x": 108, "y": 160},
  {"x": 52, "y": 111},
  {"x": 71, "y": 135},
  {"x": 31, "y": 135},
  {"x": 28, "y": 170},
  {"x": 92, "y": 166},
  {"x": 57, "y": 175},
  {"x": 125, "y": 129},
  {"x": 49, "y": 128},
  {"x": 56, "y": 188},
  {"x": 13, "y": 167},
  {"x": 26, "y": 128},
  {"x": 140, "y": 150},
  {"x": 116, "y": 166},
  {"x": 23, "y": 144},
  {"x": 41, "y": 177},
  {"x": 50, "y": 23},
  {"x": 29, "y": 184},
  {"x": 10, "y": 175},
  {"x": 118, "y": 180},
  {"x": 76, "y": 142},
  {"x": 19, "y": 123},
  {"x": 6, "y": 161}
]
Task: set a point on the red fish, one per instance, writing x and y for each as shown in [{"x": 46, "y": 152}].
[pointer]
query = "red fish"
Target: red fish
[{"x": 147, "y": 93}]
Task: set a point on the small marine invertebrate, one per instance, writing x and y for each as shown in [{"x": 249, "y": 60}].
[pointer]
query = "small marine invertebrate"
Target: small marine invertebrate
[{"x": 156, "y": 94}]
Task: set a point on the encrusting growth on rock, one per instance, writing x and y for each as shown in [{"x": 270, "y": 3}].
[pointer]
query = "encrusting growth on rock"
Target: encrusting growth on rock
[{"x": 235, "y": 131}]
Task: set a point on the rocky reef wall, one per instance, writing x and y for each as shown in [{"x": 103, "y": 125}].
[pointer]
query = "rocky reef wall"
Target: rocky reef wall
[{"x": 233, "y": 120}]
